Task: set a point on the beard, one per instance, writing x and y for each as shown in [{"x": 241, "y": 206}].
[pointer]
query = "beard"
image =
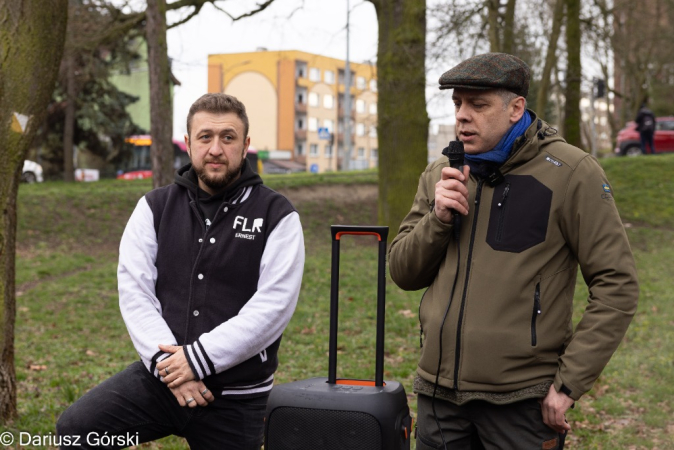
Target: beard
[{"x": 219, "y": 181}]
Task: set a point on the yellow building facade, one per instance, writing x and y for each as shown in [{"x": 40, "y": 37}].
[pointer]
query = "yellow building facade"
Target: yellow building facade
[{"x": 295, "y": 104}]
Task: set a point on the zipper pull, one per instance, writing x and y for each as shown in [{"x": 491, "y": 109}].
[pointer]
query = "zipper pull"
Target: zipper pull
[
  {"x": 208, "y": 223},
  {"x": 505, "y": 195}
]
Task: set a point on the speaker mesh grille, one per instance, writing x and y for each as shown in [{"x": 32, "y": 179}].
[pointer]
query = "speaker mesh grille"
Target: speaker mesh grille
[{"x": 316, "y": 429}]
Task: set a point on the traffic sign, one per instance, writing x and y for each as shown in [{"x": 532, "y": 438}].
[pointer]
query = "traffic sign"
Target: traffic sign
[{"x": 324, "y": 133}]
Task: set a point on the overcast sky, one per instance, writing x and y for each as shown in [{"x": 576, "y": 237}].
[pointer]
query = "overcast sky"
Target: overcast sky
[{"x": 314, "y": 26}]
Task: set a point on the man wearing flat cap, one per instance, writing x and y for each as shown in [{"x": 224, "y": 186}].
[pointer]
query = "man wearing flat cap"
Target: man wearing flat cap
[{"x": 500, "y": 360}]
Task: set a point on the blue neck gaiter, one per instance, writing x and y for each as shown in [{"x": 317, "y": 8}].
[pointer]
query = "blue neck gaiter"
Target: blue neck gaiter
[{"x": 500, "y": 153}]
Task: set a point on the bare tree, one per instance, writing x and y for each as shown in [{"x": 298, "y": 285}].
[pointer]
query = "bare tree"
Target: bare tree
[
  {"x": 161, "y": 113},
  {"x": 31, "y": 44},
  {"x": 572, "y": 131},
  {"x": 550, "y": 57},
  {"x": 403, "y": 120}
]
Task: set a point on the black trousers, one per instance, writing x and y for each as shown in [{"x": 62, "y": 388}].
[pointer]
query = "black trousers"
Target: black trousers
[
  {"x": 479, "y": 425},
  {"x": 134, "y": 407}
]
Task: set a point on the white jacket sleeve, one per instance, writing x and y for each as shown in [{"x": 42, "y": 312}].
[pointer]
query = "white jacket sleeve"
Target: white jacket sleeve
[
  {"x": 136, "y": 278},
  {"x": 264, "y": 317}
]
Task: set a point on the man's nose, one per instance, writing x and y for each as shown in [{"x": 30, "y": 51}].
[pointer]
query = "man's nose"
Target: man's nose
[
  {"x": 215, "y": 147},
  {"x": 462, "y": 114}
]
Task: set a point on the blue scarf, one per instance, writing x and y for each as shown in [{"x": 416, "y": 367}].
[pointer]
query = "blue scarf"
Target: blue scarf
[{"x": 500, "y": 153}]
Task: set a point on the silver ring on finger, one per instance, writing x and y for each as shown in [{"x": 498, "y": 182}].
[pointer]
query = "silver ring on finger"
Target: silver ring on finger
[
  {"x": 189, "y": 400},
  {"x": 166, "y": 370},
  {"x": 204, "y": 392}
]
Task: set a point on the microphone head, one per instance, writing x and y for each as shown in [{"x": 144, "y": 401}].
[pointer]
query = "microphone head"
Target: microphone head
[{"x": 454, "y": 152}]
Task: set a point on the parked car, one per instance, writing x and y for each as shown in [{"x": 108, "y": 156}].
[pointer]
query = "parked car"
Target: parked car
[
  {"x": 628, "y": 141},
  {"x": 32, "y": 172}
]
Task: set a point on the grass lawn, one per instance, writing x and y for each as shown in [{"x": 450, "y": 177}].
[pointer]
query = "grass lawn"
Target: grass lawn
[{"x": 70, "y": 335}]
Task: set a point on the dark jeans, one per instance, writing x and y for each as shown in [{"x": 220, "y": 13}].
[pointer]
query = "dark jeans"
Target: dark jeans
[
  {"x": 479, "y": 425},
  {"x": 647, "y": 138},
  {"x": 134, "y": 407}
]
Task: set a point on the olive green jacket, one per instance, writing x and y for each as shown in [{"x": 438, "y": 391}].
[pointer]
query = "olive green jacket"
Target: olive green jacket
[{"x": 508, "y": 325}]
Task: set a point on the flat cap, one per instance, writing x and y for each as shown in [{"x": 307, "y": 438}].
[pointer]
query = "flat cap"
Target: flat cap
[{"x": 489, "y": 71}]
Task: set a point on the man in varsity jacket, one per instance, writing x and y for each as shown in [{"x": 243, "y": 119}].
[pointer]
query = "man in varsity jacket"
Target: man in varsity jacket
[{"x": 209, "y": 274}]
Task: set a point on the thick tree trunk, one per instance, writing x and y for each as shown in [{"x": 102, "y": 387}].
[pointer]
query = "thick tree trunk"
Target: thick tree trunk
[
  {"x": 161, "y": 114},
  {"x": 492, "y": 20},
  {"x": 403, "y": 120},
  {"x": 69, "y": 125},
  {"x": 31, "y": 44},
  {"x": 509, "y": 27},
  {"x": 572, "y": 117},
  {"x": 550, "y": 58}
]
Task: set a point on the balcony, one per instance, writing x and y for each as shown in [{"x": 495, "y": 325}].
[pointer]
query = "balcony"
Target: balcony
[
  {"x": 301, "y": 107},
  {"x": 300, "y": 135}
]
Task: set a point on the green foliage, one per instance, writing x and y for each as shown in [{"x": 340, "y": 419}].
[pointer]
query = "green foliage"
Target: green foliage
[
  {"x": 70, "y": 335},
  {"x": 101, "y": 120}
]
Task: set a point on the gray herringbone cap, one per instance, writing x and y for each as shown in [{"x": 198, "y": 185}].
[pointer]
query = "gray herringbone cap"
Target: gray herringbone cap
[{"x": 489, "y": 71}]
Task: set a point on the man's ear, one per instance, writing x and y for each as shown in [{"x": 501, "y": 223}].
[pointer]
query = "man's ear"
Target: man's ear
[
  {"x": 187, "y": 144},
  {"x": 517, "y": 108},
  {"x": 246, "y": 144}
]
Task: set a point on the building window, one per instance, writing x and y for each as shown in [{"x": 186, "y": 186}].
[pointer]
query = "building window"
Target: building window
[
  {"x": 301, "y": 69},
  {"x": 360, "y": 106},
  {"x": 329, "y": 76},
  {"x": 374, "y": 153},
  {"x": 300, "y": 149},
  {"x": 360, "y": 82},
  {"x": 329, "y": 124},
  {"x": 300, "y": 124},
  {"x": 328, "y": 151},
  {"x": 313, "y": 99},
  {"x": 328, "y": 101},
  {"x": 361, "y": 153},
  {"x": 315, "y": 74},
  {"x": 373, "y": 131},
  {"x": 373, "y": 85},
  {"x": 313, "y": 150},
  {"x": 313, "y": 124},
  {"x": 373, "y": 108},
  {"x": 360, "y": 129}
]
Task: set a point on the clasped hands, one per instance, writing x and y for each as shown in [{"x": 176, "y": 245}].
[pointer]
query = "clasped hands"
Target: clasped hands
[{"x": 178, "y": 376}]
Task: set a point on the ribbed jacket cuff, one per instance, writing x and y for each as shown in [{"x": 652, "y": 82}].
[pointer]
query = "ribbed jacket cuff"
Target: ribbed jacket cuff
[
  {"x": 198, "y": 360},
  {"x": 159, "y": 356}
]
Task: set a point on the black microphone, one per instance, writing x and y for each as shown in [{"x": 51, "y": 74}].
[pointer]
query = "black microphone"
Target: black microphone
[{"x": 454, "y": 153}]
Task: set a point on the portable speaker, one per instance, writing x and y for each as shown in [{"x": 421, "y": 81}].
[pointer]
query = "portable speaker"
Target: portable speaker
[{"x": 342, "y": 414}]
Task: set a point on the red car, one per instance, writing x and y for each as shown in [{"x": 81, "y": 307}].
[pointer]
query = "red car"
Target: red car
[{"x": 628, "y": 141}]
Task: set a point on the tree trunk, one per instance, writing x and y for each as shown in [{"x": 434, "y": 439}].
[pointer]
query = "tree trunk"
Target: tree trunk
[
  {"x": 492, "y": 19},
  {"x": 31, "y": 44},
  {"x": 550, "y": 58},
  {"x": 509, "y": 27},
  {"x": 403, "y": 120},
  {"x": 161, "y": 115},
  {"x": 573, "y": 74},
  {"x": 69, "y": 125}
]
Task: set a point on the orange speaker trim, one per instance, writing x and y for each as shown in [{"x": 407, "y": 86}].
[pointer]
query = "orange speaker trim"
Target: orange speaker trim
[{"x": 357, "y": 382}]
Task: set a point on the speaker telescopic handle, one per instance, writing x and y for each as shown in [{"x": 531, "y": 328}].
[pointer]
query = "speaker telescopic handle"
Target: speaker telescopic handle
[{"x": 382, "y": 234}]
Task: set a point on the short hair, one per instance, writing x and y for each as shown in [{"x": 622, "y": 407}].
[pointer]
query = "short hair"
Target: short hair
[
  {"x": 508, "y": 96},
  {"x": 218, "y": 103}
]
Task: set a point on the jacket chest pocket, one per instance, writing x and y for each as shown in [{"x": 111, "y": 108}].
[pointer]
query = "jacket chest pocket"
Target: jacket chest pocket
[{"x": 519, "y": 214}]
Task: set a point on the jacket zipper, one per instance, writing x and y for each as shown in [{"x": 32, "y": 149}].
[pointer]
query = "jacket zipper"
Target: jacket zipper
[
  {"x": 536, "y": 313},
  {"x": 457, "y": 353},
  {"x": 421, "y": 327},
  {"x": 501, "y": 216}
]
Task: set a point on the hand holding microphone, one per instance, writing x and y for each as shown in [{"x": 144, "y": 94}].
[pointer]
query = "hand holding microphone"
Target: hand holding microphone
[{"x": 451, "y": 193}]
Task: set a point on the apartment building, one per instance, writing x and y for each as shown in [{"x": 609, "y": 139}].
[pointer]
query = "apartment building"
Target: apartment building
[{"x": 295, "y": 103}]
